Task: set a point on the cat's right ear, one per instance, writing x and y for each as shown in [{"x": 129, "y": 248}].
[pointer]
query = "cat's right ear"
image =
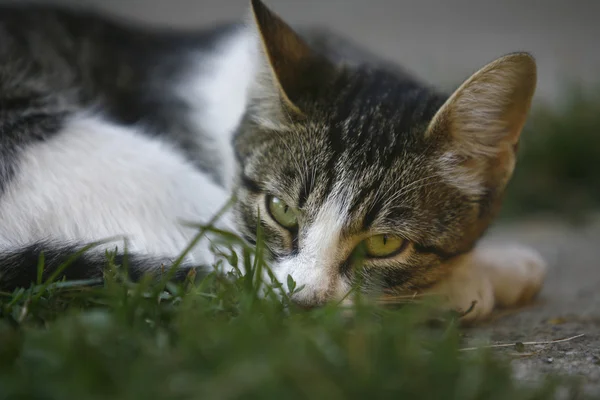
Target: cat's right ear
[
  {"x": 482, "y": 121},
  {"x": 290, "y": 73}
]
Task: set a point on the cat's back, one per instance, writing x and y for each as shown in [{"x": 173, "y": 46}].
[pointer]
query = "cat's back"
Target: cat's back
[
  {"x": 187, "y": 87},
  {"x": 56, "y": 62},
  {"x": 101, "y": 56}
]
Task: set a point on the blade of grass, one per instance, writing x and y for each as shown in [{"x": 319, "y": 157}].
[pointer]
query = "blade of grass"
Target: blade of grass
[
  {"x": 68, "y": 263},
  {"x": 256, "y": 279},
  {"x": 177, "y": 263},
  {"x": 71, "y": 284},
  {"x": 40, "y": 268}
]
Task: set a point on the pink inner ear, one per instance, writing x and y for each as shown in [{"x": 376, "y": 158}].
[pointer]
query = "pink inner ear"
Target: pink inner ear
[
  {"x": 483, "y": 120},
  {"x": 286, "y": 53}
]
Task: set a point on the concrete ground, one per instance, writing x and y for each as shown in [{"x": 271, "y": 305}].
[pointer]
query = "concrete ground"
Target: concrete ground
[{"x": 568, "y": 306}]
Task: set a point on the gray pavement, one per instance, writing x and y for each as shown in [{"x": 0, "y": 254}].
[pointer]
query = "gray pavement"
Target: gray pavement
[{"x": 568, "y": 306}]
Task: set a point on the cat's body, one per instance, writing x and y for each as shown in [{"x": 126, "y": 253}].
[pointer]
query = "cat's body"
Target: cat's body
[{"x": 110, "y": 130}]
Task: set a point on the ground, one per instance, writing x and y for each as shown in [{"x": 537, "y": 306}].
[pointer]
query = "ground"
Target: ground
[{"x": 569, "y": 304}]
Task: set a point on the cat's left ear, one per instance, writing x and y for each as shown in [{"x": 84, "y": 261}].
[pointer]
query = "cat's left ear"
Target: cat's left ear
[
  {"x": 483, "y": 120},
  {"x": 289, "y": 71}
]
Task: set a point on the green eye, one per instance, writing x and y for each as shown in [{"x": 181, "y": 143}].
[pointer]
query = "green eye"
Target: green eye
[
  {"x": 283, "y": 214},
  {"x": 380, "y": 246}
]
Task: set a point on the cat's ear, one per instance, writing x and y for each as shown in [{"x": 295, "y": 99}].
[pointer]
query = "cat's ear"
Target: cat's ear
[
  {"x": 289, "y": 70},
  {"x": 483, "y": 120}
]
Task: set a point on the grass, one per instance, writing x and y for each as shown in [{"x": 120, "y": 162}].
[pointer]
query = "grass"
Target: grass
[
  {"x": 227, "y": 336},
  {"x": 221, "y": 337}
]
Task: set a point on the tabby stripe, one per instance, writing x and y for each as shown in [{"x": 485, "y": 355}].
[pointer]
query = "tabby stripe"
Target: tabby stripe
[
  {"x": 250, "y": 185},
  {"x": 306, "y": 189},
  {"x": 442, "y": 254}
]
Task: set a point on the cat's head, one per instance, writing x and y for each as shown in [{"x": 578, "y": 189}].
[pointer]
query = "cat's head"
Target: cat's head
[{"x": 338, "y": 160}]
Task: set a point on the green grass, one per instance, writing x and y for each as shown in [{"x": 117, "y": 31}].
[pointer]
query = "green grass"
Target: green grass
[{"x": 223, "y": 337}]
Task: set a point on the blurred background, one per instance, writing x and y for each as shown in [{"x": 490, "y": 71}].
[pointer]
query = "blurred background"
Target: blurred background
[
  {"x": 443, "y": 41},
  {"x": 440, "y": 40}
]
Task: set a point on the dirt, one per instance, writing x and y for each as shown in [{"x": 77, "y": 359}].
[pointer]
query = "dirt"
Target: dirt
[{"x": 568, "y": 306}]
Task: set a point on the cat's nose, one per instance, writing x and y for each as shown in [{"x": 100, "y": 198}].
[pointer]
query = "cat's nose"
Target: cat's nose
[
  {"x": 307, "y": 307},
  {"x": 306, "y": 304}
]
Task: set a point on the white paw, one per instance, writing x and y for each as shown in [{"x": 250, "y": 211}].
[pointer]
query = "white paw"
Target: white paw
[
  {"x": 515, "y": 271},
  {"x": 489, "y": 276},
  {"x": 467, "y": 291}
]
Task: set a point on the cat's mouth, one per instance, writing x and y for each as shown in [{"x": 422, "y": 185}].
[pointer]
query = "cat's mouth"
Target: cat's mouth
[
  {"x": 308, "y": 307},
  {"x": 308, "y": 303}
]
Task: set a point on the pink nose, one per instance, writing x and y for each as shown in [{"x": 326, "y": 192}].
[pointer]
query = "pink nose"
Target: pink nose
[
  {"x": 306, "y": 307},
  {"x": 307, "y": 304}
]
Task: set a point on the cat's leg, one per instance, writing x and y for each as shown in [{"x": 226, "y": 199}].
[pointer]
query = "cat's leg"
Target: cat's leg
[{"x": 490, "y": 276}]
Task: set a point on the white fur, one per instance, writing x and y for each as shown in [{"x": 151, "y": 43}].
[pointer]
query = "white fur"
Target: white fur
[
  {"x": 96, "y": 180},
  {"x": 492, "y": 275},
  {"x": 316, "y": 267},
  {"x": 516, "y": 272},
  {"x": 218, "y": 92},
  {"x": 467, "y": 180}
]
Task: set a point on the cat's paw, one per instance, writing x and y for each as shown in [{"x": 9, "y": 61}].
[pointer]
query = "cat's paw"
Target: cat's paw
[
  {"x": 467, "y": 291},
  {"x": 516, "y": 272},
  {"x": 489, "y": 276}
]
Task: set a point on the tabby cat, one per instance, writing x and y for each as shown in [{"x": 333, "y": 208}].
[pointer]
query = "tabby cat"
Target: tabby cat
[{"x": 111, "y": 129}]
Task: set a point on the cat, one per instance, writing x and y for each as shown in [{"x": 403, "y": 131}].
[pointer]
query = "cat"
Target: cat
[{"x": 114, "y": 129}]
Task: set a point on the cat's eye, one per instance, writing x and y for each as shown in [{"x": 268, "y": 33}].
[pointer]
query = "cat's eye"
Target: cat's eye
[
  {"x": 380, "y": 246},
  {"x": 282, "y": 213}
]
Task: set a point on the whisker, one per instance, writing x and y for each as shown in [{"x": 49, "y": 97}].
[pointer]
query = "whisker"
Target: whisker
[
  {"x": 404, "y": 299},
  {"x": 421, "y": 159},
  {"x": 283, "y": 138},
  {"x": 412, "y": 189},
  {"x": 302, "y": 149},
  {"x": 389, "y": 187}
]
